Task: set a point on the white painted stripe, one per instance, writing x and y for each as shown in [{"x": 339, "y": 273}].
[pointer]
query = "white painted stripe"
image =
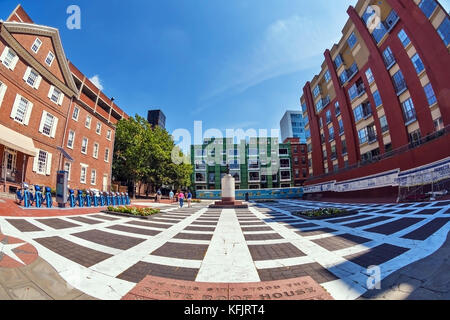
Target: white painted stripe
[
  {"x": 270, "y": 264},
  {"x": 189, "y": 241},
  {"x": 228, "y": 258},
  {"x": 173, "y": 262}
]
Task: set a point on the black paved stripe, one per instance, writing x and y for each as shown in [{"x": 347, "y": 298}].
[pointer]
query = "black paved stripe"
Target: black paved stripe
[
  {"x": 140, "y": 270},
  {"x": 86, "y": 220},
  {"x": 315, "y": 232},
  {"x": 274, "y": 251},
  {"x": 182, "y": 251},
  {"x": 376, "y": 256},
  {"x": 145, "y": 232},
  {"x": 420, "y": 205},
  {"x": 427, "y": 230},
  {"x": 194, "y": 236},
  {"x": 85, "y": 256},
  {"x": 366, "y": 222},
  {"x": 314, "y": 270},
  {"x": 442, "y": 204},
  {"x": 58, "y": 224},
  {"x": 23, "y": 225},
  {"x": 193, "y": 228},
  {"x": 103, "y": 217},
  {"x": 404, "y": 211},
  {"x": 340, "y": 242},
  {"x": 250, "y": 229},
  {"x": 340, "y": 220},
  {"x": 109, "y": 239},
  {"x": 428, "y": 211},
  {"x": 262, "y": 236},
  {"x": 300, "y": 226},
  {"x": 149, "y": 224},
  {"x": 394, "y": 226}
]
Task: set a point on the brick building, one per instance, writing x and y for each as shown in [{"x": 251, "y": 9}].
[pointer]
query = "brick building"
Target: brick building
[
  {"x": 50, "y": 112},
  {"x": 299, "y": 161},
  {"x": 382, "y": 98}
]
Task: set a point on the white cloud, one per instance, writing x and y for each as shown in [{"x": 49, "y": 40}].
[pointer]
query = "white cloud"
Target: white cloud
[
  {"x": 287, "y": 45},
  {"x": 97, "y": 82}
]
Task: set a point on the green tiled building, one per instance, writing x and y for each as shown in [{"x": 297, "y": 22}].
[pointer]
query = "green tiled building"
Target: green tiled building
[{"x": 260, "y": 163}]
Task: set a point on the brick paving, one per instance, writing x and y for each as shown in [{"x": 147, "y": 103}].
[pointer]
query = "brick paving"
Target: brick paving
[
  {"x": 366, "y": 222},
  {"x": 145, "y": 232},
  {"x": 109, "y": 239},
  {"x": 394, "y": 226},
  {"x": 274, "y": 251},
  {"x": 377, "y": 255},
  {"x": 23, "y": 225},
  {"x": 182, "y": 251},
  {"x": 262, "y": 236},
  {"x": 340, "y": 242},
  {"x": 140, "y": 270},
  {"x": 314, "y": 270},
  {"x": 58, "y": 223},
  {"x": 427, "y": 230}
]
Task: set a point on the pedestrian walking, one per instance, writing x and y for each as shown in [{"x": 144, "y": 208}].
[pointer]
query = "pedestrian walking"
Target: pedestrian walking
[
  {"x": 181, "y": 197},
  {"x": 171, "y": 195},
  {"x": 189, "y": 198}
]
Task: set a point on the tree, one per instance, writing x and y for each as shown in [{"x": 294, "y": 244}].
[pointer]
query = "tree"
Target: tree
[{"x": 144, "y": 155}]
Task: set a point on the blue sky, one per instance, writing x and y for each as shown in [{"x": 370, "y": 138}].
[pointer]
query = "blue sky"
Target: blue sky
[{"x": 230, "y": 64}]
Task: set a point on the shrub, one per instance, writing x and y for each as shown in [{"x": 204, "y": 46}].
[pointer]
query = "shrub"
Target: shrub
[
  {"x": 142, "y": 212},
  {"x": 322, "y": 212}
]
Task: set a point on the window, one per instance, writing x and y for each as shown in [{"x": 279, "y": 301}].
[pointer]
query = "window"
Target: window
[
  {"x": 377, "y": 99},
  {"x": 32, "y": 78},
  {"x": 55, "y": 95},
  {"x": 71, "y": 139},
  {"x": 444, "y": 31},
  {"x": 107, "y": 155},
  {"x": 254, "y": 176},
  {"x": 388, "y": 147},
  {"x": 431, "y": 97},
  {"x": 341, "y": 127},
  {"x": 36, "y": 45},
  {"x": 320, "y": 122},
  {"x": 253, "y": 152},
  {"x": 316, "y": 91},
  {"x": 333, "y": 153},
  {"x": 98, "y": 129},
  {"x": 95, "y": 153},
  {"x": 2, "y": 92},
  {"x": 76, "y": 113},
  {"x": 68, "y": 168},
  {"x": 83, "y": 174},
  {"x": 285, "y": 175},
  {"x": 84, "y": 145},
  {"x": 415, "y": 138},
  {"x": 363, "y": 136},
  {"x": 338, "y": 61},
  {"x": 372, "y": 133},
  {"x": 352, "y": 40},
  {"x": 353, "y": 92},
  {"x": 327, "y": 76},
  {"x": 388, "y": 57},
  {"x": 337, "y": 109},
  {"x": 285, "y": 163},
  {"x": 9, "y": 58},
  {"x": 409, "y": 112},
  {"x": 427, "y": 7},
  {"x": 384, "y": 124},
  {"x": 43, "y": 163},
  {"x": 331, "y": 133},
  {"x": 325, "y": 154},
  {"x": 93, "y": 177},
  {"x": 399, "y": 82},
  {"x": 253, "y": 164},
  {"x": 50, "y": 58},
  {"x": 108, "y": 134},
  {"x": 87, "y": 124},
  {"x": 379, "y": 32},
  {"x": 369, "y": 76},
  {"x": 404, "y": 38},
  {"x": 359, "y": 113},
  {"x": 438, "y": 124},
  {"x": 307, "y": 133},
  {"x": 47, "y": 124},
  {"x": 284, "y": 152},
  {"x": 344, "y": 147},
  {"x": 21, "y": 110},
  {"x": 417, "y": 62},
  {"x": 328, "y": 116}
]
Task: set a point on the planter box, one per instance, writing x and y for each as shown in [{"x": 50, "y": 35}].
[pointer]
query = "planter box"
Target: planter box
[
  {"x": 128, "y": 215},
  {"x": 348, "y": 213}
]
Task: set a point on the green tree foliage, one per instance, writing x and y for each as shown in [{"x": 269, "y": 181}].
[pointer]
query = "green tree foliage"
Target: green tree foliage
[{"x": 143, "y": 154}]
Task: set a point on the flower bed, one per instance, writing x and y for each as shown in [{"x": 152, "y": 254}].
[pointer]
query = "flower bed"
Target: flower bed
[
  {"x": 133, "y": 211},
  {"x": 325, "y": 213}
]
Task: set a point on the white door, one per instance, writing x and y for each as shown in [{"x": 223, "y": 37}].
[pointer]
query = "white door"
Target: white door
[
  {"x": 10, "y": 164},
  {"x": 105, "y": 183}
]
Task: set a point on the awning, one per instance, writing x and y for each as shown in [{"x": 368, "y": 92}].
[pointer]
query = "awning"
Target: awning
[
  {"x": 17, "y": 141},
  {"x": 65, "y": 154}
]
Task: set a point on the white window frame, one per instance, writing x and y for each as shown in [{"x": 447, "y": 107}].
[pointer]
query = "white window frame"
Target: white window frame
[
  {"x": 95, "y": 150},
  {"x": 88, "y": 122},
  {"x": 12, "y": 64},
  {"x": 107, "y": 155},
  {"x": 51, "y": 93},
  {"x": 37, "y": 45},
  {"x": 37, "y": 80},
  {"x": 27, "y": 113},
  {"x": 87, "y": 144},
  {"x": 68, "y": 164},
  {"x": 3, "y": 88},
  {"x": 53, "y": 127},
  {"x": 70, "y": 145},
  {"x": 47, "y": 166},
  {"x": 98, "y": 128},
  {"x": 108, "y": 134},
  {"x": 93, "y": 177},
  {"x": 290, "y": 175},
  {"x": 85, "y": 168},
  {"x": 51, "y": 57},
  {"x": 78, "y": 114}
]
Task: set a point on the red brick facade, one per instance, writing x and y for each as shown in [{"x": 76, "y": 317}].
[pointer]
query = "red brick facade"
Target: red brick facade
[
  {"x": 39, "y": 91},
  {"x": 392, "y": 132},
  {"x": 300, "y": 170}
]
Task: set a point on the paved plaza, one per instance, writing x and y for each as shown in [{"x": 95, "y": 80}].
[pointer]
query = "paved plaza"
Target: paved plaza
[{"x": 99, "y": 256}]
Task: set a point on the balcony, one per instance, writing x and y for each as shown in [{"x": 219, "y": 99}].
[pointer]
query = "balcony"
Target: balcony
[
  {"x": 409, "y": 116},
  {"x": 389, "y": 60},
  {"x": 349, "y": 73},
  {"x": 372, "y": 138},
  {"x": 391, "y": 21},
  {"x": 325, "y": 101},
  {"x": 400, "y": 86}
]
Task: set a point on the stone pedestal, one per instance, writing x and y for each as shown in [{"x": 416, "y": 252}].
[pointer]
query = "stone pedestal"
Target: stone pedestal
[{"x": 228, "y": 195}]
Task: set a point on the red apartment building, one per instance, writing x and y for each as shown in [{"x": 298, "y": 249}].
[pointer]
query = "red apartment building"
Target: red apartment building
[
  {"x": 382, "y": 98},
  {"x": 299, "y": 154},
  {"x": 50, "y": 112}
]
